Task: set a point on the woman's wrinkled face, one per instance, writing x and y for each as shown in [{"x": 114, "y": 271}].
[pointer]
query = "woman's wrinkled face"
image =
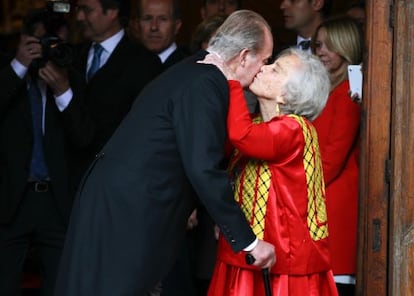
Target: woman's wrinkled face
[{"x": 270, "y": 82}]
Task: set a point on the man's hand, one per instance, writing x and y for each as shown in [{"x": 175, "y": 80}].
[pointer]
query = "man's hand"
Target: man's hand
[
  {"x": 214, "y": 59},
  {"x": 55, "y": 77},
  {"x": 192, "y": 220},
  {"x": 264, "y": 255},
  {"x": 28, "y": 49}
]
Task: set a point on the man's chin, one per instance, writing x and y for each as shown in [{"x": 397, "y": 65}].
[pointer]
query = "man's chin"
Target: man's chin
[
  {"x": 289, "y": 25},
  {"x": 154, "y": 47},
  {"x": 86, "y": 34}
]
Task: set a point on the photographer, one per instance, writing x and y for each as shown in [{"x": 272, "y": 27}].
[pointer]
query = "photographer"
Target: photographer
[{"x": 35, "y": 199}]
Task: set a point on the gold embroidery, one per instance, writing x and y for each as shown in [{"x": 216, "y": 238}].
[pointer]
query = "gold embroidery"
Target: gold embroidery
[
  {"x": 252, "y": 193},
  {"x": 252, "y": 186},
  {"x": 253, "y": 179},
  {"x": 317, "y": 219}
]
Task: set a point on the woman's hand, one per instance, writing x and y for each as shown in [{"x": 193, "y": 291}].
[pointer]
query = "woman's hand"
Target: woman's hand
[{"x": 216, "y": 60}]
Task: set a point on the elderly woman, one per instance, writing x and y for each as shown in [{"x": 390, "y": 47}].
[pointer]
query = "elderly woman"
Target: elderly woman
[{"x": 278, "y": 180}]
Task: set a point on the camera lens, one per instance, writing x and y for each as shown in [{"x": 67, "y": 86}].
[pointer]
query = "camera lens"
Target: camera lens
[
  {"x": 55, "y": 50},
  {"x": 61, "y": 54}
]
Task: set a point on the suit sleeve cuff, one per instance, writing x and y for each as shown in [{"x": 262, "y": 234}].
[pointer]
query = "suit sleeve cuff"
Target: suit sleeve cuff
[
  {"x": 253, "y": 245},
  {"x": 18, "y": 68},
  {"x": 64, "y": 99}
]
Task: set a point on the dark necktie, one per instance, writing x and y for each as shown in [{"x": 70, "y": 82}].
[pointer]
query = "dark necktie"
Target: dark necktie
[
  {"x": 38, "y": 168},
  {"x": 304, "y": 44},
  {"x": 96, "y": 61}
]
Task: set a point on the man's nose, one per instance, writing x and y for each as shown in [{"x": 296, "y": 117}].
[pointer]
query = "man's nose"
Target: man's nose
[
  {"x": 80, "y": 15},
  {"x": 154, "y": 25}
]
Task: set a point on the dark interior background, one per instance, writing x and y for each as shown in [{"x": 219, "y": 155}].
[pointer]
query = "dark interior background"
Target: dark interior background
[
  {"x": 269, "y": 9},
  {"x": 11, "y": 12}
]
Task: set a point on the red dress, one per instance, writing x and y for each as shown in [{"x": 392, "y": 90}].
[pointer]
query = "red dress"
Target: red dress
[
  {"x": 279, "y": 185},
  {"x": 338, "y": 133}
]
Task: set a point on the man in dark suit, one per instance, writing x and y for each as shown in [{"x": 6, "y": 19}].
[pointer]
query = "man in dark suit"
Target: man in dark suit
[
  {"x": 129, "y": 220},
  {"x": 35, "y": 199},
  {"x": 304, "y": 17},
  {"x": 115, "y": 68},
  {"x": 159, "y": 22},
  {"x": 219, "y": 7}
]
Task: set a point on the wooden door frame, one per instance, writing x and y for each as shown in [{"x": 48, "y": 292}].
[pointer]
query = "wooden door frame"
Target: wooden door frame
[
  {"x": 372, "y": 263},
  {"x": 386, "y": 228},
  {"x": 401, "y": 246}
]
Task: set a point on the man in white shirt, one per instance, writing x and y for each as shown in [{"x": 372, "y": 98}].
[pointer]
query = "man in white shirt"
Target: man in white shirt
[
  {"x": 35, "y": 195},
  {"x": 303, "y": 17},
  {"x": 159, "y": 22}
]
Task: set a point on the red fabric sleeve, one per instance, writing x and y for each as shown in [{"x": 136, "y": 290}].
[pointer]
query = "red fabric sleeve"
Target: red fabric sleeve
[{"x": 272, "y": 140}]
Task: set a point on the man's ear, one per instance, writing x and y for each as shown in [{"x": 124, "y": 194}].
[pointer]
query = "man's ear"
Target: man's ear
[
  {"x": 317, "y": 5},
  {"x": 178, "y": 24},
  {"x": 203, "y": 13},
  {"x": 243, "y": 56},
  {"x": 135, "y": 27},
  {"x": 112, "y": 13}
]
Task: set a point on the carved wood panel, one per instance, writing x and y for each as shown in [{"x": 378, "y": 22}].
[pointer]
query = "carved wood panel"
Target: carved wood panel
[{"x": 401, "y": 248}]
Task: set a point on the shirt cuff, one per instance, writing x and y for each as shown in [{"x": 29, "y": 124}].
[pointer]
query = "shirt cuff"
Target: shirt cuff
[
  {"x": 253, "y": 245},
  {"x": 18, "y": 68},
  {"x": 64, "y": 100}
]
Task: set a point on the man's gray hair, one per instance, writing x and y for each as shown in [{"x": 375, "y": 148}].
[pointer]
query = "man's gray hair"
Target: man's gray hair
[
  {"x": 307, "y": 91},
  {"x": 242, "y": 29}
]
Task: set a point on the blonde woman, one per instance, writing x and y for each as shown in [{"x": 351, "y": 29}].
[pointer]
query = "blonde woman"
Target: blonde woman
[{"x": 337, "y": 43}]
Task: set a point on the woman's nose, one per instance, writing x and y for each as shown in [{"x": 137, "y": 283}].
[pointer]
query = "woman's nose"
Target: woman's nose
[
  {"x": 320, "y": 51},
  {"x": 264, "y": 68}
]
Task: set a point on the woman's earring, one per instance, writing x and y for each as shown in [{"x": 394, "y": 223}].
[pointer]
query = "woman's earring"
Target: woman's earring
[{"x": 277, "y": 109}]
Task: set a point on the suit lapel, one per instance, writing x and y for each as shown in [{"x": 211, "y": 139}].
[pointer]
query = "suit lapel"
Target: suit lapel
[{"x": 116, "y": 62}]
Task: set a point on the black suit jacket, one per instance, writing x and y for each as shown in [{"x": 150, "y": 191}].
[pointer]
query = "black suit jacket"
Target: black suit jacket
[
  {"x": 16, "y": 141},
  {"x": 176, "y": 56},
  {"x": 129, "y": 220},
  {"x": 108, "y": 95}
]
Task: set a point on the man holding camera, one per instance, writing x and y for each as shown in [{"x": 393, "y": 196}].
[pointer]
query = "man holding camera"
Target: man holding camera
[{"x": 35, "y": 199}]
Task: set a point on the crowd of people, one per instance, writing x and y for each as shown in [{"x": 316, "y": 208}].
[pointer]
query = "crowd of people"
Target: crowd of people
[{"x": 135, "y": 165}]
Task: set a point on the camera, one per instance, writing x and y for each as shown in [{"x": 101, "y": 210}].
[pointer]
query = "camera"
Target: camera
[
  {"x": 58, "y": 6},
  {"x": 56, "y": 50},
  {"x": 54, "y": 47}
]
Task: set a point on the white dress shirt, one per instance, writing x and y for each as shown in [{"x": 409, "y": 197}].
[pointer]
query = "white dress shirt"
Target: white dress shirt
[
  {"x": 167, "y": 52},
  {"x": 299, "y": 39}
]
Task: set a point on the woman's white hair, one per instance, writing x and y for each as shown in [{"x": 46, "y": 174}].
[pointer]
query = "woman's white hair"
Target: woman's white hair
[{"x": 307, "y": 90}]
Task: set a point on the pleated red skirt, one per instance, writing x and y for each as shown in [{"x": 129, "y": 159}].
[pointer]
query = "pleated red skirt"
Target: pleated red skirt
[{"x": 230, "y": 280}]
